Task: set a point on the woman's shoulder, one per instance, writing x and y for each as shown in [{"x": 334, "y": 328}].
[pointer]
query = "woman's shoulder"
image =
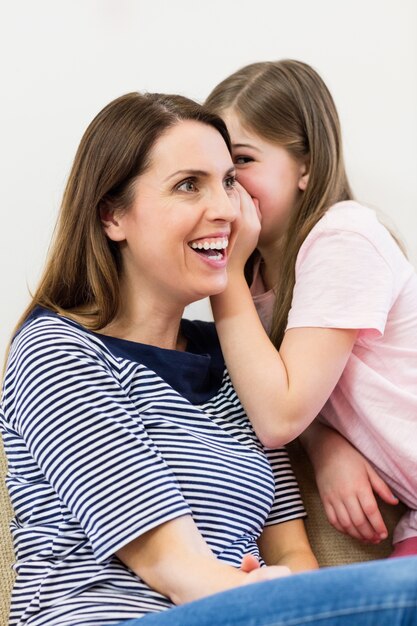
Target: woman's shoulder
[
  {"x": 44, "y": 332},
  {"x": 42, "y": 322}
]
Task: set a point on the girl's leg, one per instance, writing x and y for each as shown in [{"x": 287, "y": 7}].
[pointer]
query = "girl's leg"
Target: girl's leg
[
  {"x": 407, "y": 547},
  {"x": 377, "y": 593}
]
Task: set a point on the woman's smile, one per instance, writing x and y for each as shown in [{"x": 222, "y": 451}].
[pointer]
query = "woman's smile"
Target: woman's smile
[{"x": 212, "y": 250}]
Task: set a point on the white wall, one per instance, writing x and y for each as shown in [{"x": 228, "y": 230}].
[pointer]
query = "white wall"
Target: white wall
[{"x": 63, "y": 60}]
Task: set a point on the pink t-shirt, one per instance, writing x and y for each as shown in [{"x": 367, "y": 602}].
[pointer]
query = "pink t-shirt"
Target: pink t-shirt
[{"x": 350, "y": 273}]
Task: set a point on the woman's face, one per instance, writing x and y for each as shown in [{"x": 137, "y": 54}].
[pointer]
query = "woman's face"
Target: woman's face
[
  {"x": 174, "y": 237},
  {"x": 269, "y": 173}
]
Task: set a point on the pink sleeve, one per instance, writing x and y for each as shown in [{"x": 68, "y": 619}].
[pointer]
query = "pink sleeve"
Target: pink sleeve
[{"x": 342, "y": 281}]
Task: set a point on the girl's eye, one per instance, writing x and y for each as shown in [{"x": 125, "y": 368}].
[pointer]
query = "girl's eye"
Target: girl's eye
[
  {"x": 187, "y": 185},
  {"x": 230, "y": 182},
  {"x": 242, "y": 160}
]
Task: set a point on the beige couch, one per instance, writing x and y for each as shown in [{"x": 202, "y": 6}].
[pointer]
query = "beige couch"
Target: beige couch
[
  {"x": 331, "y": 547},
  {"x": 6, "y": 553}
]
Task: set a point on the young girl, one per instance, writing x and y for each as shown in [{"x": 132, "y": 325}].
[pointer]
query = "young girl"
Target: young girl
[{"x": 331, "y": 286}]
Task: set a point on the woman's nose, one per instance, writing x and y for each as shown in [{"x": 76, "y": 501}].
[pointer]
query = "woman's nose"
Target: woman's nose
[{"x": 224, "y": 205}]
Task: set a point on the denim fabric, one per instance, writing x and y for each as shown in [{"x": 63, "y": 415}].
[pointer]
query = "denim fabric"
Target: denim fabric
[{"x": 377, "y": 593}]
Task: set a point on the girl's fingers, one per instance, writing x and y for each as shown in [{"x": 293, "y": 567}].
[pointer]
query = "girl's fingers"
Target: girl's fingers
[
  {"x": 359, "y": 515},
  {"x": 360, "y": 530},
  {"x": 246, "y": 200},
  {"x": 370, "y": 508},
  {"x": 381, "y": 488},
  {"x": 258, "y": 212},
  {"x": 334, "y": 521}
]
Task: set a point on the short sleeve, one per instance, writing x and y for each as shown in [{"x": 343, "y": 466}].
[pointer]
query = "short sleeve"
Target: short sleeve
[
  {"x": 342, "y": 281},
  {"x": 87, "y": 437},
  {"x": 287, "y": 504}
]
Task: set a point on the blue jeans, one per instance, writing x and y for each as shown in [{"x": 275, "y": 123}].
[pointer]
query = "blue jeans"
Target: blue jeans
[{"x": 376, "y": 593}]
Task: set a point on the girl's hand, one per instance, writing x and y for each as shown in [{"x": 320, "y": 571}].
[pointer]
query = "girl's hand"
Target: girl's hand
[
  {"x": 347, "y": 483},
  {"x": 246, "y": 230},
  {"x": 350, "y": 502}
]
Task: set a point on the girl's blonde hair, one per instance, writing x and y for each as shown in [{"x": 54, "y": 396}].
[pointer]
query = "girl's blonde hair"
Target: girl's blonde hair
[
  {"x": 81, "y": 276},
  {"x": 286, "y": 102}
]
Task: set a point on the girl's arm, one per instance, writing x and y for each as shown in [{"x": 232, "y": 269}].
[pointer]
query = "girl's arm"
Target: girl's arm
[
  {"x": 282, "y": 392},
  {"x": 346, "y": 483},
  {"x": 174, "y": 559},
  {"x": 287, "y": 544}
]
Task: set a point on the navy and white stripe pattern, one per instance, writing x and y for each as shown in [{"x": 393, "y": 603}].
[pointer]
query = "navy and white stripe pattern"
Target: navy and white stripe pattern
[{"x": 101, "y": 449}]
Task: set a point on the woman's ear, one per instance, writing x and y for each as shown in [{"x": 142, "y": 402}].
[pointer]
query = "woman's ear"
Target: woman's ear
[
  {"x": 304, "y": 174},
  {"x": 111, "y": 225}
]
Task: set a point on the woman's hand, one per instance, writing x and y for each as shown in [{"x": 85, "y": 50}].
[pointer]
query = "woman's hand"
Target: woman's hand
[
  {"x": 256, "y": 573},
  {"x": 175, "y": 560},
  {"x": 246, "y": 230},
  {"x": 268, "y": 572},
  {"x": 347, "y": 483}
]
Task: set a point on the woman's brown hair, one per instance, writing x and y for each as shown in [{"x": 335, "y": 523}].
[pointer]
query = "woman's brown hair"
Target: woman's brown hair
[
  {"x": 81, "y": 276},
  {"x": 286, "y": 102}
]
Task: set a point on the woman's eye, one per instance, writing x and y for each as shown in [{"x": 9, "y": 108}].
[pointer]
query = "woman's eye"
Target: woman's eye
[
  {"x": 230, "y": 182},
  {"x": 242, "y": 160},
  {"x": 187, "y": 185}
]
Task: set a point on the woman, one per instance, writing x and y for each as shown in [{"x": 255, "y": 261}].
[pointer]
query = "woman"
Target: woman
[{"x": 137, "y": 480}]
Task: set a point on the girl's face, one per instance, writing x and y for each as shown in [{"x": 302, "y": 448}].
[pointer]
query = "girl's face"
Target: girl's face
[
  {"x": 270, "y": 174},
  {"x": 174, "y": 237}
]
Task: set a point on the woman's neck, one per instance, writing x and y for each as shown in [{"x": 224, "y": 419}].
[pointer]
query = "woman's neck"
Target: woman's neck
[{"x": 147, "y": 320}]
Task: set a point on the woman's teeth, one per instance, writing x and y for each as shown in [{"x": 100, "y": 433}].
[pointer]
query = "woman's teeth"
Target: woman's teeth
[{"x": 220, "y": 244}]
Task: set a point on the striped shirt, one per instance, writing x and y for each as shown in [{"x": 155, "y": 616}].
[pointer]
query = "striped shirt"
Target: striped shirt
[{"x": 107, "y": 439}]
